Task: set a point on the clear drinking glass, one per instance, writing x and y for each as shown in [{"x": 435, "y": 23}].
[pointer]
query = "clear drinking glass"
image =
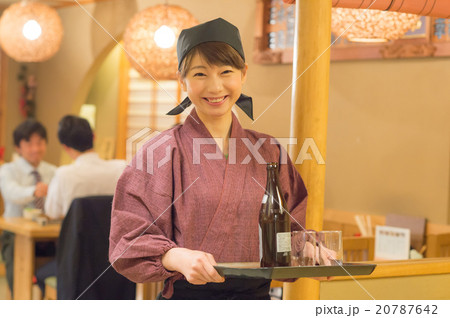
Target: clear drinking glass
[
  {"x": 303, "y": 248},
  {"x": 330, "y": 247}
]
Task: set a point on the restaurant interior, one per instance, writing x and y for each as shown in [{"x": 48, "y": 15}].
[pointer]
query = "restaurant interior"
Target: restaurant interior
[{"x": 370, "y": 113}]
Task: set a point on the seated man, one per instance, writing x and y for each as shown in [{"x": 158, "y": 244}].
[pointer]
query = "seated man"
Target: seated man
[
  {"x": 23, "y": 183},
  {"x": 89, "y": 175}
]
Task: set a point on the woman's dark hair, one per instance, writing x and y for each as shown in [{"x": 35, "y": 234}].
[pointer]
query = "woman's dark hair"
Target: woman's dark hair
[
  {"x": 214, "y": 53},
  {"x": 75, "y": 132},
  {"x": 26, "y": 129}
]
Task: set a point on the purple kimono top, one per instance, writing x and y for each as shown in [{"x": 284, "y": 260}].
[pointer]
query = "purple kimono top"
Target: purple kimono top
[{"x": 180, "y": 191}]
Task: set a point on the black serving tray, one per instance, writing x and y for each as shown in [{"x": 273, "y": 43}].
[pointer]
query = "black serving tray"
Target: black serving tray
[{"x": 252, "y": 270}]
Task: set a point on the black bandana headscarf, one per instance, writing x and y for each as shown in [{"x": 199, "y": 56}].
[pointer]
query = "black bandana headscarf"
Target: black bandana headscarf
[{"x": 217, "y": 30}]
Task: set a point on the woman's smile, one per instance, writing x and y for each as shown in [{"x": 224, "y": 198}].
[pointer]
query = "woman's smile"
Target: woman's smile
[{"x": 216, "y": 101}]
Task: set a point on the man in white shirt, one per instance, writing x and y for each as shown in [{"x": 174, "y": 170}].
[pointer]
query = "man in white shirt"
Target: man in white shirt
[
  {"x": 23, "y": 182},
  {"x": 89, "y": 175}
]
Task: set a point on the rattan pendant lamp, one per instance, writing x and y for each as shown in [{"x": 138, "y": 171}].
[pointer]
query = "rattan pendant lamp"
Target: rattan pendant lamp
[
  {"x": 356, "y": 23},
  {"x": 150, "y": 40},
  {"x": 30, "y": 31},
  {"x": 367, "y": 25}
]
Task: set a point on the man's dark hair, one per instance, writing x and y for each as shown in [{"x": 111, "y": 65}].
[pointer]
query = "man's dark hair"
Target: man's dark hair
[
  {"x": 75, "y": 132},
  {"x": 26, "y": 129}
]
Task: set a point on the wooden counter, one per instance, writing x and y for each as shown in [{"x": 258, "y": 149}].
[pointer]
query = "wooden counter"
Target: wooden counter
[{"x": 410, "y": 279}]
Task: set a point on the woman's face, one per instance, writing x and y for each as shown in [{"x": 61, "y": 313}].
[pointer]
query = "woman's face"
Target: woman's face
[{"x": 213, "y": 89}]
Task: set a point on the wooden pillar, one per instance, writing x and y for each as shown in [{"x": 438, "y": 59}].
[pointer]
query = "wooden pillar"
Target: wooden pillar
[
  {"x": 122, "y": 115},
  {"x": 309, "y": 113},
  {"x": 3, "y": 95}
]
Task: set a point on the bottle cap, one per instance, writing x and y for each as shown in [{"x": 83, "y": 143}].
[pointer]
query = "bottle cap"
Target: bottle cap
[{"x": 272, "y": 165}]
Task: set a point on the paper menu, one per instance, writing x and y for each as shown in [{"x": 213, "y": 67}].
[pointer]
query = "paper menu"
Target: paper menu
[{"x": 392, "y": 243}]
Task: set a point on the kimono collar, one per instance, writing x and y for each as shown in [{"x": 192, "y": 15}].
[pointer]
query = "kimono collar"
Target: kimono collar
[
  {"x": 194, "y": 126},
  {"x": 244, "y": 102}
]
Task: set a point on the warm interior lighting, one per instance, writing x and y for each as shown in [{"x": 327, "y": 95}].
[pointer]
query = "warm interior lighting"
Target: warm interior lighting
[
  {"x": 150, "y": 37},
  {"x": 164, "y": 37},
  {"x": 32, "y": 30},
  {"x": 363, "y": 25}
]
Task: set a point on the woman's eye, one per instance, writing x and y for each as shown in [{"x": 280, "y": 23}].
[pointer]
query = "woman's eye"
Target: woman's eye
[
  {"x": 199, "y": 74},
  {"x": 227, "y": 72}
]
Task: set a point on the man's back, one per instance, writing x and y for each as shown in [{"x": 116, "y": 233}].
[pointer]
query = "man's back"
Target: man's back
[
  {"x": 87, "y": 176},
  {"x": 17, "y": 184}
]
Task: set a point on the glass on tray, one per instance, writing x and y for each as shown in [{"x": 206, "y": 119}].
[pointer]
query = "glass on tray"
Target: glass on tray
[
  {"x": 303, "y": 248},
  {"x": 330, "y": 248}
]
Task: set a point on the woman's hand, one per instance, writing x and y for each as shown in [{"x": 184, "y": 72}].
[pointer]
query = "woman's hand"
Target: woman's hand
[
  {"x": 196, "y": 266},
  {"x": 308, "y": 252},
  {"x": 325, "y": 256}
]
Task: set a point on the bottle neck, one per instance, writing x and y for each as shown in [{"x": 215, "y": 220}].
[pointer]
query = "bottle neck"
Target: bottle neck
[
  {"x": 273, "y": 190},
  {"x": 272, "y": 177}
]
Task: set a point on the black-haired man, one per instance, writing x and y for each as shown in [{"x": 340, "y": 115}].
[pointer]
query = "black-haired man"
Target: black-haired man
[
  {"x": 23, "y": 182},
  {"x": 89, "y": 175}
]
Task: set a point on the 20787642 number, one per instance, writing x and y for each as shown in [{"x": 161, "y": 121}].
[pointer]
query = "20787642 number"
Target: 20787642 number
[{"x": 406, "y": 309}]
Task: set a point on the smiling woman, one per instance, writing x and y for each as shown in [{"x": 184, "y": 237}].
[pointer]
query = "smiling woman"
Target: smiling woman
[
  {"x": 213, "y": 82},
  {"x": 213, "y": 202}
]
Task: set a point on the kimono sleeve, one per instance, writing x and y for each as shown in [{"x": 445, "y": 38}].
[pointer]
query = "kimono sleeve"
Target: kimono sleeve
[
  {"x": 141, "y": 225},
  {"x": 294, "y": 192}
]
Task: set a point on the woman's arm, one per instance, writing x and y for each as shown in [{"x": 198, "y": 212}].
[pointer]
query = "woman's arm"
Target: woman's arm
[{"x": 141, "y": 228}]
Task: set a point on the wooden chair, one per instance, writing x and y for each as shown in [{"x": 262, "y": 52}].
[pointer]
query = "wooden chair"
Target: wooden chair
[
  {"x": 357, "y": 249},
  {"x": 438, "y": 245},
  {"x": 149, "y": 291}
]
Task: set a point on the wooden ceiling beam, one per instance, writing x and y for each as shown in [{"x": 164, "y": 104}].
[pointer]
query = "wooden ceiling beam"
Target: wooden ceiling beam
[
  {"x": 68, "y": 3},
  {"x": 58, "y": 3}
]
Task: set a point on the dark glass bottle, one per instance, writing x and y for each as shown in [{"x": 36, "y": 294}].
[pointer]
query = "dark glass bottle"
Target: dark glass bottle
[{"x": 274, "y": 223}]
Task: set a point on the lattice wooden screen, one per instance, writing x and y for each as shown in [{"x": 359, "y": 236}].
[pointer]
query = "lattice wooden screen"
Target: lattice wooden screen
[{"x": 274, "y": 38}]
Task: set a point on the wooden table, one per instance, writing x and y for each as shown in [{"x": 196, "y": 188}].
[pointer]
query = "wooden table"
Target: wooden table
[{"x": 27, "y": 233}]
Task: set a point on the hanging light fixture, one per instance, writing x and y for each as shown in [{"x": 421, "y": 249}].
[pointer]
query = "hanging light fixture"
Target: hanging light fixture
[
  {"x": 372, "y": 25},
  {"x": 150, "y": 38},
  {"x": 164, "y": 37},
  {"x": 30, "y": 31}
]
